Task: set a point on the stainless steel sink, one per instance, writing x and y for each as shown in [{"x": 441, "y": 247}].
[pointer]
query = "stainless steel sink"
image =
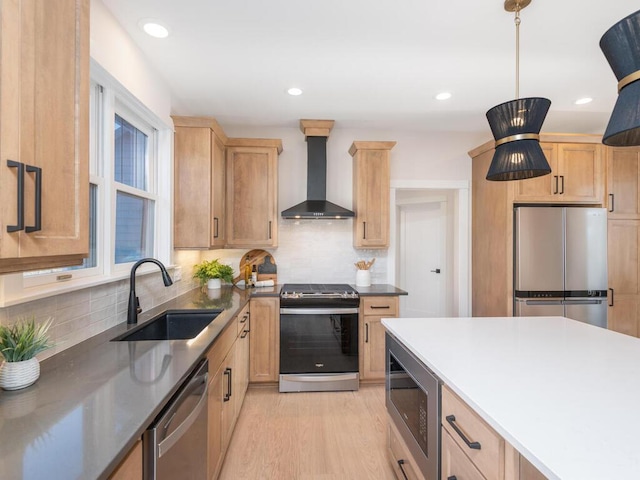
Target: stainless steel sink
[{"x": 171, "y": 325}]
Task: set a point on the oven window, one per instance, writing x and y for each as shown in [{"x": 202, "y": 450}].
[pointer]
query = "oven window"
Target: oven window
[
  {"x": 410, "y": 400},
  {"x": 318, "y": 343}
]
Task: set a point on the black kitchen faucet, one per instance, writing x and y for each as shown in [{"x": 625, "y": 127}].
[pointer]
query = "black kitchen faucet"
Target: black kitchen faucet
[{"x": 134, "y": 303}]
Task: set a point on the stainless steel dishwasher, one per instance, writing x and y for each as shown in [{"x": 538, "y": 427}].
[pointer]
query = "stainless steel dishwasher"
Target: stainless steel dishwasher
[{"x": 175, "y": 445}]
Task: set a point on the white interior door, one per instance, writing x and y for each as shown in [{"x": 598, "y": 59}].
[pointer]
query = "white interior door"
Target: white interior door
[{"x": 422, "y": 253}]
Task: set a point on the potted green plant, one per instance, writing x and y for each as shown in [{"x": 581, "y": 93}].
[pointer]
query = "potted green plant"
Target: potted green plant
[
  {"x": 19, "y": 345},
  {"x": 211, "y": 272}
]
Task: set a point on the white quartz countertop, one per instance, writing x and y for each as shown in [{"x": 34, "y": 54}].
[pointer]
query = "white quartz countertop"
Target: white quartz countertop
[{"x": 565, "y": 394}]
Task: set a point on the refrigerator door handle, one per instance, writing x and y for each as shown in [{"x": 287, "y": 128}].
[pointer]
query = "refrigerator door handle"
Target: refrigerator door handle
[{"x": 582, "y": 302}]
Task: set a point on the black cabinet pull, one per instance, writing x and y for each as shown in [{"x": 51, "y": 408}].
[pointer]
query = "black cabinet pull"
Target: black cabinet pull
[
  {"x": 38, "y": 197},
  {"x": 244, "y": 333},
  {"x": 611, "y": 203},
  {"x": 611, "y": 301},
  {"x": 269, "y": 230},
  {"x": 562, "y": 188},
  {"x": 227, "y": 396},
  {"x": 364, "y": 230},
  {"x": 386, "y": 307},
  {"x": 400, "y": 464},
  {"x": 244, "y": 318},
  {"x": 20, "y": 197},
  {"x": 555, "y": 191},
  {"x": 215, "y": 227},
  {"x": 452, "y": 477},
  {"x": 366, "y": 333},
  {"x": 452, "y": 419},
  {"x": 437, "y": 270}
]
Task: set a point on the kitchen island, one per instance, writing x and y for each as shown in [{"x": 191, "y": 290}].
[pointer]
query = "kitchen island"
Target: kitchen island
[{"x": 565, "y": 394}]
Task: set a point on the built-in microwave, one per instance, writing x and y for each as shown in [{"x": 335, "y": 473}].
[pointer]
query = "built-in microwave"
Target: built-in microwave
[{"x": 413, "y": 403}]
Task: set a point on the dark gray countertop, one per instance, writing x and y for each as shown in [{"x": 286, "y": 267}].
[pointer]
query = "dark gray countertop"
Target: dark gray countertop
[
  {"x": 94, "y": 400},
  {"x": 379, "y": 289}
]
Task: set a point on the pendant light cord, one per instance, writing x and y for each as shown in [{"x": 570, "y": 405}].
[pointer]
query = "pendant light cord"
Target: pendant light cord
[{"x": 517, "y": 22}]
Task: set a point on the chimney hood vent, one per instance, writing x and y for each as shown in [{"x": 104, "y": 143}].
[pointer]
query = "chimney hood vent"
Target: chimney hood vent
[{"x": 316, "y": 205}]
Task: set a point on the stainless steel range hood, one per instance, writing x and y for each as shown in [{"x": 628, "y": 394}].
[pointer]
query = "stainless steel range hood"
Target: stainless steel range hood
[{"x": 316, "y": 205}]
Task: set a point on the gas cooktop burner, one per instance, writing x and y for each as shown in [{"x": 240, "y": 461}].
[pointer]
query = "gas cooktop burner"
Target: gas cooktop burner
[{"x": 317, "y": 290}]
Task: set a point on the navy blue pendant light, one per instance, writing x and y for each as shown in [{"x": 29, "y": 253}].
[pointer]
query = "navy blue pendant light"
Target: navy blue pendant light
[
  {"x": 621, "y": 46},
  {"x": 516, "y": 126}
]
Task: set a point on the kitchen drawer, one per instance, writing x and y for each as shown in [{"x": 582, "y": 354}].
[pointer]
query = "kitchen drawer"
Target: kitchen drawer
[
  {"x": 381, "y": 306},
  {"x": 455, "y": 463},
  {"x": 489, "y": 458},
  {"x": 221, "y": 346},
  {"x": 398, "y": 452},
  {"x": 243, "y": 319}
]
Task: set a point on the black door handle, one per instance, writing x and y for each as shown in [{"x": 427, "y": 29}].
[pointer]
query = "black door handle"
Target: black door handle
[
  {"x": 611, "y": 301},
  {"x": 437, "y": 270},
  {"x": 452, "y": 419},
  {"x": 38, "y": 197},
  {"x": 20, "y": 196},
  {"x": 612, "y": 202}
]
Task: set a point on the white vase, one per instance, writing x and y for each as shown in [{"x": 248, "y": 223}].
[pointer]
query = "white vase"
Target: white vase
[
  {"x": 214, "y": 283},
  {"x": 363, "y": 278},
  {"x": 17, "y": 375}
]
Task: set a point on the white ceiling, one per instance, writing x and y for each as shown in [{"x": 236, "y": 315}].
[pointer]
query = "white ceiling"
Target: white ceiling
[{"x": 378, "y": 63}]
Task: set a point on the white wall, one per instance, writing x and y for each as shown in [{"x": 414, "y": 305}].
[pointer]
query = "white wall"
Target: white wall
[{"x": 115, "y": 51}]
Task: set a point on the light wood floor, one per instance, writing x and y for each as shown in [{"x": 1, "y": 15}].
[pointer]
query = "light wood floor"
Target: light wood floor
[{"x": 315, "y": 435}]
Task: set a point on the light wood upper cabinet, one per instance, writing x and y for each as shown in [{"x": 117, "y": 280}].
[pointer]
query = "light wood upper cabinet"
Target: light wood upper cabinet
[
  {"x": 264, "y": 343},
  {"x": 371, "y": 190},
  {"x": 623, "y": 179},
  {"x": 252, "y": 192},
  {"x": 199, "y": 179},
  {"x": 44, "y": 132},
  {"x": 577, "y": 175}
]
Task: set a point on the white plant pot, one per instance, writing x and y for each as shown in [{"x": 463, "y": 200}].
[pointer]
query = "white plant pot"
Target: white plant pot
[
  {"x": 17, "y": 375},
  {"x": 214, "y": 283},
  {"x": 363, "y": 278}
]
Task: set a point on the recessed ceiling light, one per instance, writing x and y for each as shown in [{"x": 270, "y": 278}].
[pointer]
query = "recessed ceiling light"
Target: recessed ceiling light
[
  {"x": 155, "y": 29},
  {"x": 294, "y": 91},
  {"x": 582, "y": 101},
  {"x": 443, "y": 96}
]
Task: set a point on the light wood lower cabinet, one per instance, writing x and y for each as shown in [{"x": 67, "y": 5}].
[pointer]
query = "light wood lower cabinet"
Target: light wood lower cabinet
[
  {"x": 372, "y": 332},
  {"x": 472, "y": 450},
  {"x": 228, "y": 381},
  {"x": 401, "y": 460},
  {"x": 131, "y": 467},
  {"x": 264, "y": 343}
]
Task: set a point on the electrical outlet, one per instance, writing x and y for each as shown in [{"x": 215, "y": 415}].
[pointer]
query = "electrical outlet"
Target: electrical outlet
[{"x": 177, "y": 274}]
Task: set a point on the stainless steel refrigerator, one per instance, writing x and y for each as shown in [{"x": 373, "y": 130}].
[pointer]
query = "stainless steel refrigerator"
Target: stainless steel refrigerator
[{"x": 560, "y": 263}]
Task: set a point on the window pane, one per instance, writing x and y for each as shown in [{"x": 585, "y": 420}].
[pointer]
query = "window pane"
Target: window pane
[
  {"x": 130, "y": 154},
  {"x": 134, "y": 228}
]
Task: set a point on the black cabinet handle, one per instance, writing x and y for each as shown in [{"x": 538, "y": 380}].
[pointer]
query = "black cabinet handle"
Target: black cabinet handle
[
  {"x": 562, "y": 188},
  {"x": 400, "y": 464},
  {"x": 611, "y": 301},
  {"x": 244, "y": 333},
  {"x": 38, "y": 197},
  {"x": 366, "y": 333},
  {"x": 244, "y": 318},
  {"x": 452, "y": 419},
  {"x": 611, "y": 203},
  {"x": 555, "y": 191},
  {"x": 269, "y": 230},
  {"x": 20, "y": 196},
  {"x": 364, "y": 230},
  {"x": 437, "y": 270},
  {"x": 452, "y": 477},
  {"x": 227, "y": 396},
  {"x": 215, "y": 227},
  {"x": 386, "y": 307}
]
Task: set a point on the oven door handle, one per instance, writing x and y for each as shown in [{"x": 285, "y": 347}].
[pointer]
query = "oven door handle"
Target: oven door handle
[{"x": 317, "y": 311}]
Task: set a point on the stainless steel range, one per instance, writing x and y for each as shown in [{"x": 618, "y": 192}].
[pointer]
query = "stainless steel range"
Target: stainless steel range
[{"x": 318, "y": 337}]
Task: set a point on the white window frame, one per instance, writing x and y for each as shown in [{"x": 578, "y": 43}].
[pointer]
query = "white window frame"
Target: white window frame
[{"x": 111, "y": 98}]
